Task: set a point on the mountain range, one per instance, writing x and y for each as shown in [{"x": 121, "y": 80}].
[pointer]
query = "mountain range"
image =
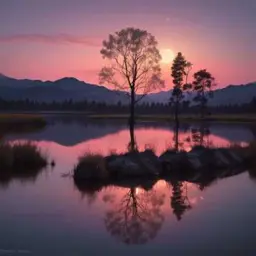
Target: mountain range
[{"x": 71, "y": 88}]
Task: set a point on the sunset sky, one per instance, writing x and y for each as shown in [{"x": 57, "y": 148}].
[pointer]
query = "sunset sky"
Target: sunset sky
[{"x": 50, "y": 39}]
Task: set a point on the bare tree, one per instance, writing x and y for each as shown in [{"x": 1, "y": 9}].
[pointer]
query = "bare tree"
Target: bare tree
[{"x": 134, "y": 64}]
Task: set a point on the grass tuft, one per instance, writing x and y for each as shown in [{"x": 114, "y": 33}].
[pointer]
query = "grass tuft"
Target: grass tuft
[
  {"x": 91, "y": 166},
  {"x": 20, "y": 161},
  {"x": 21, "y": 157}
]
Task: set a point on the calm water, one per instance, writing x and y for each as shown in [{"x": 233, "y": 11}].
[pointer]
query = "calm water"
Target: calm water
[{"x": 49, "y": 215}]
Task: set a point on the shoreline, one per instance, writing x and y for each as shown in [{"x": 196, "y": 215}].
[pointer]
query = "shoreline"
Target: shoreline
[
  {"x": 39, "y": 116},
  {"x": 21, "y": 122}
]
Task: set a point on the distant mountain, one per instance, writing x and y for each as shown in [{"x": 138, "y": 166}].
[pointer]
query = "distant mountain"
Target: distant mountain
[
  {"x": 233, "y": 94},
  {"x": 71, "y": 88},
  {"x": 60, "y": 90}
]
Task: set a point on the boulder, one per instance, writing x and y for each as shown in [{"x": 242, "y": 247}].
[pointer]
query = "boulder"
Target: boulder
[
  {"x": 194, "y": 161},
  {"x": 174, "y": 161},
  {"x": 123, "y": 166},
  {"x": 221, "y": 159},
  {"x": 205, "y": 158},
  {"x": 134, "y": 164},
  {"x": 167, "y": 156},
  {"x": 150, "y": 162},
  {"x": 235, "y": 157}
]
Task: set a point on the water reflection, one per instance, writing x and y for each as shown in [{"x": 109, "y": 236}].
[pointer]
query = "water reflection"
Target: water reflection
[
  {"x": 132, "y": 212},
  {"x": 200, "y": 135},
  {"x": 136, "y": 208},
  {"x": 188, "y": 136},
  {"x": 72, "y": 131},
  {"x": 179, "y": 200},
  {"x": 23, "y": 177},
  {"x": 136, "y": 217}
]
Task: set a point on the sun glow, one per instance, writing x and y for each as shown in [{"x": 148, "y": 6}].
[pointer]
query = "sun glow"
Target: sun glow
[{"x": 167, "y": 56}]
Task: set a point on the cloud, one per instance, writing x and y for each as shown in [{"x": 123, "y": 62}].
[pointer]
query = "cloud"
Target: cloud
[{"x": 52, "y": 39}]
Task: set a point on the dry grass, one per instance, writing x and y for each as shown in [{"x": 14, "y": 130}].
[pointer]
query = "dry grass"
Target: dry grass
[
  {"x": 20, "y": 118},
  {"x": 91, "y": 166},
  {"x": 21, "y": 158}
]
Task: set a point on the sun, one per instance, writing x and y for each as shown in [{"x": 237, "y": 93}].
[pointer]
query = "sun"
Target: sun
[{"x": 167, "y": 56}]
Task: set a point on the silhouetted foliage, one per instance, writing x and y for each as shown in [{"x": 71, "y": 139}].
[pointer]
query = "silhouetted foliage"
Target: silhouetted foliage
[
  {"x": 202, "y": 85},
  {"x": 179, "y": 202},
  {"x": 180, "y": 72},
  {"x": 200, "y": 135},
  {"x": 120, "y": 108},
  {"x": 134, "y": 64},
  {"x": 20, "y": 161}
]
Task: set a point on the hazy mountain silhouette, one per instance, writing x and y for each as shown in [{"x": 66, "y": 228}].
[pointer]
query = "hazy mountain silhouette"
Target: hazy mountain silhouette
[
  {"x": 71, "y": 88},
  {"x": 232, "y": 94},
  {"x": 59, "y": 90}
]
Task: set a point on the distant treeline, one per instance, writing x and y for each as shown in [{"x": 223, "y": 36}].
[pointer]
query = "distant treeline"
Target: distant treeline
[{"x": 96, "y": 107}]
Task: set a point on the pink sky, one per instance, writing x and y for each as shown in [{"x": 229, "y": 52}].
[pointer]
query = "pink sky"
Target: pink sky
[{"x": 49, "y": 41}]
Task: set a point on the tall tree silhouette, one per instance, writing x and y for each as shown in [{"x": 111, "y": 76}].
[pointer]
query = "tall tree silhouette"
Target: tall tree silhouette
[
  {"x": 202, "y": 85},
  {"x": 137, "y": 218},
  {"x": 134, "y": 65},
  {"x": 180, "y": 72}
]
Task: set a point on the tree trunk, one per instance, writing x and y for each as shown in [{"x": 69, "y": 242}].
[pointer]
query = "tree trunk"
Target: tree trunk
[
  {"x": 203, "y": 105},
  {"x": 132, "y": 145},
  {"x": 202, "y": 111},
  {"x": 132, "y": 106},
  {"x": 177, "y": 126},
  {"x": 176, "y": 114}
]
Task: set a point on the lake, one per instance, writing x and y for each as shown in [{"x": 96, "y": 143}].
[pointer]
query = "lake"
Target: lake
[{"x": 49, "y": 215}]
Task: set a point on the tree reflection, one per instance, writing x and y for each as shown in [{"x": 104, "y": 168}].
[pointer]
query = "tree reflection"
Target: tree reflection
[
  {"x": 137, "y": 218},
  {"x": 200, "y": 136},
  {"x": 179, "y": 199},
  {"x": 23, "y": 176},
  {"x": 176, "y": 137},
  {"x": 89, "y": 189},
  {"x": 132, "y": 146}
]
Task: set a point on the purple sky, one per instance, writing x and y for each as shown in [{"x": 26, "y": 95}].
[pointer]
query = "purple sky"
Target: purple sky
[{"x": 43, "y": 39}]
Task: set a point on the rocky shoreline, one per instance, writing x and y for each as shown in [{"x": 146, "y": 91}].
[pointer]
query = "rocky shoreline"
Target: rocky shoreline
[{"x": 198, "y": 165}]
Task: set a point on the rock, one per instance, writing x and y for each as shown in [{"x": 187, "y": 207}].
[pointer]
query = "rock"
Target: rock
[
  {"x": 227, "y": 158},
  {"x": 238, "y": 159},
  {"x": 195, "y": 177},
  {"x": 199, "y": 148},
  {"x": 123, "y": 166},
  {"x": 134, "y": 164},
  {"x": 149, "y": 161},
  {"x": 172, "y": 161},
  {"x": 224, "y": 173},
  {"x": 201, "y": 158},
  {"x": 167, "y": 156},
  {"x": 220, "y": 159},
  {"x": 194, "y": 161}
]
